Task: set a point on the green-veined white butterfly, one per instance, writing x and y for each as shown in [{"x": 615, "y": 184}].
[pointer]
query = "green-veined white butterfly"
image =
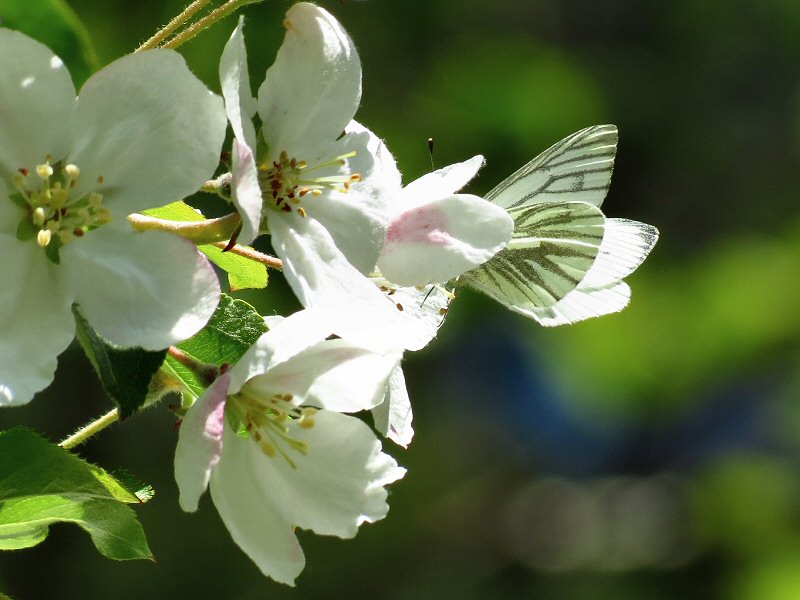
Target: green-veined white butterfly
[{"x": 566, "y": 260}]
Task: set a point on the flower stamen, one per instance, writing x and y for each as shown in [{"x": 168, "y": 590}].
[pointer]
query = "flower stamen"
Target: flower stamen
[
  {"x": 287, "y": 180},
  {"x": 266, "y": 421},
  {"x": 54, "y": 214}
]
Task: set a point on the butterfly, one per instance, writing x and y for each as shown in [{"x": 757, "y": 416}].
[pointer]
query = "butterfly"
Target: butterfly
[{"x": 565, "y": 261}]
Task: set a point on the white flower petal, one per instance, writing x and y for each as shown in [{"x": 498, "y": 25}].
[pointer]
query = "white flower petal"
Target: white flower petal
[
  {"x": 241, "y": 491},
  {"x": 200, "y": 443},
  {"x": 335, "y": 487},
  {"x": 384, "y": 171},
  {"x": 235, "y": 82},
  {"x": 334, "y": 374},
  {"x": 149, "y": 128},
  {"x": 323, "y": 279},
  {"x": 345, "y": 469},
  {"x": 38, "y": 104},
  {"x": 442, "y": 182},
  {"x": 442, "y": 239},
  {"x": 357, "y": 232},
  {"x": 315, "y": 268},
  {"x": 148, "y": 289},
  {"x": 312, "y": 90},
  {"x": 357, "y": 220},
  {"x": 393, "y": 416},
  {"x": 286, "y": 338},
  {"x": 37, "y": 320}
]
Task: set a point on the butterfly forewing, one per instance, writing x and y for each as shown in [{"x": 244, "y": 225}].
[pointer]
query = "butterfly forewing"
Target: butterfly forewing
[
  {"x": 553, "y": 246},
  {"x": 576, "y": 169}
]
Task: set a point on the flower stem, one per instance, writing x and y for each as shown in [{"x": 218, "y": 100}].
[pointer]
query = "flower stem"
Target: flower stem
[
  {"x": 84, "y": 433},
  {"x": 215, "y": 15},
  {"x": 206, "y": 231},
  {"x": 173, "y": 25},
  {"x": 206, "y": 371},
  {"x": 265, "y": 259}
]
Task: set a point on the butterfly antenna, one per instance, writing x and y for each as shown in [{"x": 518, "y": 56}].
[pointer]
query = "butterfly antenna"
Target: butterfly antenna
[
  {"x": 430, "y": 153},
  {"x": 426, "y": 295}
]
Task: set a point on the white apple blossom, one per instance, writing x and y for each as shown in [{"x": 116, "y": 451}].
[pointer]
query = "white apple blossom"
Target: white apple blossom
[
  {"x": 312, "y": 185},
  {"x": 269, "y": 440},
  {"x": 144, "y": 131}
]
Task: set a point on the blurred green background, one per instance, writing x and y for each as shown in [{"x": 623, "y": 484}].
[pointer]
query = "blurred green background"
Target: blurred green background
[{"x": 649, "y": 454}]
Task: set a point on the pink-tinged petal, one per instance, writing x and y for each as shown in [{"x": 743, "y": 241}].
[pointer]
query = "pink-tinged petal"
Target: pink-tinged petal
[
  {"x": 334, "y": 374},
  {"x": 393, "y": 416},
  {"x": 442, "y": 182},
  {"x": 442, "y": 239},
  {"x": 38, "y": 104},
  {"x": 200, "y": 443},
  {"x": 312, "y": 90},
  {"x": 148, "y": 289},
  {"x": 37, "y": 320},
  {"x": 246, "y": 191},
  {"x": 235, "y": 82},
  {"x": 149, "y": 128}
]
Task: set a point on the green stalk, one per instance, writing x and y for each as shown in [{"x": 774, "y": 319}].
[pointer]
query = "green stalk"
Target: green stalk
[
  {"x": 217, "y": 14},
  {"x": 173, "y": 25},
  {"x": 84, "y": 433}
]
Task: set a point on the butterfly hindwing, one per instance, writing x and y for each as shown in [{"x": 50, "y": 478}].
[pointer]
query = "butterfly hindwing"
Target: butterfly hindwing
[{"x": 553, "y": 246}]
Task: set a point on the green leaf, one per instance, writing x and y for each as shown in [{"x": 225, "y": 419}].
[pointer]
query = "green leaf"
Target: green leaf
[
  {"x": 54, "y": 23},
  {"x": 124, "y": 372},
  {"x": 42, "y": 484},
  {"x": 243, "y": 273},
  {"x": 175, "y": 211},
  {"x": 26, "y": 230},
  {"x": 233, "y": 328}
]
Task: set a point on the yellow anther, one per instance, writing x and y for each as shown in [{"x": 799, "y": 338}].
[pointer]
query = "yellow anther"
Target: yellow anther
[
  {"x": 306, "y": 421},
  {"x": 268, "y": 448},
  {"x": 301, "y": 211},
  {"x": 38, "y": 216},
  {"x": 44, "y": 171},
  {"x": 72, "y": 171},
  {"x": 43, "y": 237}
]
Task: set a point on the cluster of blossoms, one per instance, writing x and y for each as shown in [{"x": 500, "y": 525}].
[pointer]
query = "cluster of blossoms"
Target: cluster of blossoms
[{"x": 374, "y": 264}]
